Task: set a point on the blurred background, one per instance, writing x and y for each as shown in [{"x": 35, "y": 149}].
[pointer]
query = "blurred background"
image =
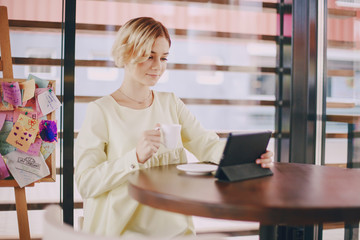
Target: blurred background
[{"x": 231, "y": 62}]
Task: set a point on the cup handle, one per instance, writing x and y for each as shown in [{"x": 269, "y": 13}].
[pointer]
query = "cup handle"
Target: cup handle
[{"x": 159, "y": 128}]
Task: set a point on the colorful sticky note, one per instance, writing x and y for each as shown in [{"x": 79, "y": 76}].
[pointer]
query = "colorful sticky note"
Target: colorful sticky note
[
  {"x": 21, "y": 95},
  {"x": 9, "y": 116},
  {"x": 5, "y": 147},
  {"x": 48, "y": 102},
  {"x": 4, "y": 172},
  {"x": 32, "y": 104},
  {"x": 38, "y": 91},
  {"x": 5, "y": 106},
  {"x": 11, "y": 93},
  {"x": 34, "y": 148},
  {"x": 47, "y": 148},
  {"x": 20, "y": 138},
  {"x": 23, "y": 133},
  {"x": 26, "y": 169},
  {"x": 28, "y": 123},
  {"x": 28, "y": 88},
  {"x": 25, "y": 111},
  {"x": 2, "y": 119},
  {"x": 40, "y": 83}
]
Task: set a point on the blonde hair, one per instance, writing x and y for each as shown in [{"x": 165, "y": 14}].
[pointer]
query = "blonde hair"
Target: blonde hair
[{"x": 134, "y": 40}]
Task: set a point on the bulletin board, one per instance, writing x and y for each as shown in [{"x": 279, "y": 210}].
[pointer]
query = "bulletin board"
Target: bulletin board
[
  {"x": 7, "y": 70},
  {"x": 51, "y": 159}
]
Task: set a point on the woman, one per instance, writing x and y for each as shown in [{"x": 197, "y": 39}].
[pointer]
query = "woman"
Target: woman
[{"x": 119, "y": 136}]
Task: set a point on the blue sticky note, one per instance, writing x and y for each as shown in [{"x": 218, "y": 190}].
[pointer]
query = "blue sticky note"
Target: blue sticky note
[
  {"x": 5, "y": 147},
  {"x": 41, "y": 83}
]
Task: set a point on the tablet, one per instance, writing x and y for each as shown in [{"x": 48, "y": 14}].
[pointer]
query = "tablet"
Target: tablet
[{"x": 240, "y": 153}]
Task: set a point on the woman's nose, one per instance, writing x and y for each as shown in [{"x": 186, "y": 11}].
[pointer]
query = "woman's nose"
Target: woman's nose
[{"x": 156, "y": 64}]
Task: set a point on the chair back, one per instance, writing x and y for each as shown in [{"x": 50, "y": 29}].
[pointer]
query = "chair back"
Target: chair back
[{"x": 55, "y": 229}]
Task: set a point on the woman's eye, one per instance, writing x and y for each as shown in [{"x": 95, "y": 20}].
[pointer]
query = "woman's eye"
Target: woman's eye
[{"x": 161, "y": 59}]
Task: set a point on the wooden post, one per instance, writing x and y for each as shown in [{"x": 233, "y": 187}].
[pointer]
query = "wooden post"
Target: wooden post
[
  {"x": 5, "y": 44},
  {"x": 22, "y": 215},
  {"x": 6, "y": 62}
]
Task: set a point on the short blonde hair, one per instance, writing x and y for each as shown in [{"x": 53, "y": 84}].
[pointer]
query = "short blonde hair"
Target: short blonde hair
[{"x": 135, "y": 39}]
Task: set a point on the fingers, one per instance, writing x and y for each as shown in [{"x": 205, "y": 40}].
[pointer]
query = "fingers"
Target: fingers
[
  {"x": 267, "y": 154},
  {"x": 153, "y": 136},
  {"x": 148, "y": 145},
  {"x": 146, "y": 152},
  {"x": 265, "y": 159},
  {"x": 265, "y": 163}
]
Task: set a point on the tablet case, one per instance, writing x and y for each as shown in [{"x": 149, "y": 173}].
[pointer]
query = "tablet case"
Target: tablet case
[{"x": 240, "y": 153}]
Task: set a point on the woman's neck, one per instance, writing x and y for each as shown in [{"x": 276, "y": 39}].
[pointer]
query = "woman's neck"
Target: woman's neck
[
  {"x": 136, "y": 97},
  {"x": 136, "y": 93}
]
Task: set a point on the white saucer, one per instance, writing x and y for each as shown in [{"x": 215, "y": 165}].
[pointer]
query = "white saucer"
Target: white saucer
[{"x": 197, "y": 169}]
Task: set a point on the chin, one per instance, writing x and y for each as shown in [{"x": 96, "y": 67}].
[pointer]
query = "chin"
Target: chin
[{"x": 152, "y": 82}]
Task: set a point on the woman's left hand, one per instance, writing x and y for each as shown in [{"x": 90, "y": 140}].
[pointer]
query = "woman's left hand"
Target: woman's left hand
[{"x": 265, "y": 159}]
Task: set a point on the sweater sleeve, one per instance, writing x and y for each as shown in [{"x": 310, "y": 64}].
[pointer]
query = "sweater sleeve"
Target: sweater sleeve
[
  {"x": 204, "y": 144},
  {"x": 94, "y": 173}
]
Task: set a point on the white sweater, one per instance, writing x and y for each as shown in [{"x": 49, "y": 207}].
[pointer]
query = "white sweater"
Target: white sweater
[{"x": 105, "y": 155}]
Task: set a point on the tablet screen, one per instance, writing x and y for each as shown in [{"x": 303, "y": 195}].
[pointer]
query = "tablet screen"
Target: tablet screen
[{"x": 244, "y": 149}]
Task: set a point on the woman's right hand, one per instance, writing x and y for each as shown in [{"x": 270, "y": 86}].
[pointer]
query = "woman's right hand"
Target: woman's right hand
[{"x": 148, "y": 145}]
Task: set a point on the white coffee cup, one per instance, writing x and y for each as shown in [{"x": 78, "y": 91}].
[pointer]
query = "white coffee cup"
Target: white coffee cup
[{"x": 170, "y": 134}]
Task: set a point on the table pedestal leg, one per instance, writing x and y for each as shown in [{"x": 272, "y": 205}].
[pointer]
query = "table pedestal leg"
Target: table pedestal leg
[
  {"x": 22, "y": 215},
  {"x": 307, "y": 232},
  {"x": 351, "y": 231},
  {"x": 268, "y": 232}
]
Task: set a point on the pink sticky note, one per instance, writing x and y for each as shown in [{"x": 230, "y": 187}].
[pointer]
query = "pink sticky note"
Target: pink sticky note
[
  {"x": 34, "y": 148},
  {"x": 38, "y": 91},
  {"x": 11, "y": 92},
  {"x": 4, "y": 172},
  {"x": 2, "y": 119},
  {"x": 9, "y": 116},
  {"x": 32, "y": 104}
]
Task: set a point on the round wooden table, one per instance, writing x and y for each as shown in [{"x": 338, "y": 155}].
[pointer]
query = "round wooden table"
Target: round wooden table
[{"x": 297, "y": 194}]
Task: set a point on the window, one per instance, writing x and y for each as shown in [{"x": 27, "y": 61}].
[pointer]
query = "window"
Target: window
[{"x": 42, "y": 71}]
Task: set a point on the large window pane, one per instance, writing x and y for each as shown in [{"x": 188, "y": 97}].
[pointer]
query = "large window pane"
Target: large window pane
[{"x": 343, "y": 57}]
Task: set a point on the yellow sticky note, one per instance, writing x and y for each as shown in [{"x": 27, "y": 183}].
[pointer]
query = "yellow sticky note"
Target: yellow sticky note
[
  {"x": 29, "y": 89},
  {"x": 21, "y": 138},
  {"x": 29, "y": 124}
]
